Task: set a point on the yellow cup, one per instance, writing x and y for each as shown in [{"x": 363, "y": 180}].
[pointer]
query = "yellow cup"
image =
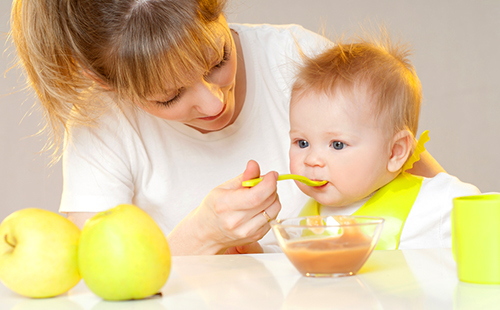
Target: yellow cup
[{"x": 475, "y": 232}]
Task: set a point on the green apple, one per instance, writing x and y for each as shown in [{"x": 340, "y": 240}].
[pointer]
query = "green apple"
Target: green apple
[
  {"x": 123, "y": 254},
  {"x": 38, "y": 253}
]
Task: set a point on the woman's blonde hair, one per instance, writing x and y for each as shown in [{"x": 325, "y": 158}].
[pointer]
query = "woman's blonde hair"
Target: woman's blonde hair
[
  {"x": 370, "y": 61},
  {"x": 74, "y": 49}
]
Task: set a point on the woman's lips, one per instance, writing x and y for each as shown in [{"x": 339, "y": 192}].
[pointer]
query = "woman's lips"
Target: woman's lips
[{"x": 211, "y": 118}]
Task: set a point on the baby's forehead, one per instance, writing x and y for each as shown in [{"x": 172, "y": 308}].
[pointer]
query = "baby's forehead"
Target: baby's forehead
[
  {"x": 360, "y": 102},
  {"x": 358, "y": 96}
]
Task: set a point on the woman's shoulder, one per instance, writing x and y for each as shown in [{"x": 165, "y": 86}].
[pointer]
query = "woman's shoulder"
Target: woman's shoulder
[
  {"x": 287, "y": 34},
  {"x": 267, "y": 28},
  {"x": 113, "y": 116}
]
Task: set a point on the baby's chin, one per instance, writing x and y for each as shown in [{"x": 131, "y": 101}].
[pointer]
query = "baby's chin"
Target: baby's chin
[
  {"x": 332, "y": 201},
  {"x": 331, "y": 204},
  {"x": 321, "y": 199},
  {"x": 327, "y": 199}
]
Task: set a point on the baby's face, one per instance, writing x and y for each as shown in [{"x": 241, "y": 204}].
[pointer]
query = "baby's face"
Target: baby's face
[{"x": 337, "y": 140}]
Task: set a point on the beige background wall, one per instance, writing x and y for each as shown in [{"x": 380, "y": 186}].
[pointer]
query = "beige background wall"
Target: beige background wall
[{"x": 457, "y": 56}]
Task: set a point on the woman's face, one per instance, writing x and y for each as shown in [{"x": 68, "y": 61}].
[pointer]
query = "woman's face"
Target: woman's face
[{"x": 208, "y": 104}]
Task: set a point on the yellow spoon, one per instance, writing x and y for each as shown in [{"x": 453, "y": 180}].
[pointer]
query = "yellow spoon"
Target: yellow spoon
[{"x": 296, "y": 177}]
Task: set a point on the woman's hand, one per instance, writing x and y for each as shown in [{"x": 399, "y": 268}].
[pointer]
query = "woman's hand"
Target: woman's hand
[
  {"x": 229, "y": 216},
  {"x": 250, "y": 248}
]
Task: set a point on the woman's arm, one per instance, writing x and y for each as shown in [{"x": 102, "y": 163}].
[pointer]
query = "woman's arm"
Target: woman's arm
[
  {"x": 229, "y": 216},
  {"x": 427, "y": 166}
]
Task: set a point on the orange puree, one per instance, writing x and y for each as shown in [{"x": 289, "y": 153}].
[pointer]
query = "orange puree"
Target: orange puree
[{"x": 341, "y": 254}]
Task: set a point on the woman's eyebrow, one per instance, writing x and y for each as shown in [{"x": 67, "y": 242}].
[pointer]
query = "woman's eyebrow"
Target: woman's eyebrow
[{"x": 226, "y": 51}]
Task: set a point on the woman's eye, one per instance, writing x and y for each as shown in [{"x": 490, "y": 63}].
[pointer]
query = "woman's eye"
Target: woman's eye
[
  {"x": 220, "y": 64},
  {"x": 302, "y": 144},
  {"x": 173, "y": 100},
  {"x": 225, "y": 59},
  {"x": 169, "y": 102},
  {"x": 338, "y": 145}
]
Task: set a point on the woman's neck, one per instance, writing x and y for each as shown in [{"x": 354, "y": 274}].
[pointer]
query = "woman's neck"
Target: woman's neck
[{"x": 240, "y": 88}]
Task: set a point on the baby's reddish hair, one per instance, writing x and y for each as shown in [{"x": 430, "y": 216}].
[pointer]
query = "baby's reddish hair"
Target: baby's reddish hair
[{"x": 375, "y": 64}]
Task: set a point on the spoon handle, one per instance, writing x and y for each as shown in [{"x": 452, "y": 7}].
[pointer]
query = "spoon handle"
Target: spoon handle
[{"x": 253, "y": 182}]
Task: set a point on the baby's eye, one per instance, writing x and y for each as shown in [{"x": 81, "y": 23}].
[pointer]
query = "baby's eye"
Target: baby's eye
[
  {"x": 338, "y": 145},
  {"x": 302, "y": 144}
]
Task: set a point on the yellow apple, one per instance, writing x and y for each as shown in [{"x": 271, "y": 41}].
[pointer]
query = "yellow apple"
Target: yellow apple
[
  {"x": 38, "y": 253},
  {"x": 123, "y": 254}
]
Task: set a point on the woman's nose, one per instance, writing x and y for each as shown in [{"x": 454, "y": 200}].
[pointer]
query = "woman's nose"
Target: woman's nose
[{"x": 210, "y": 98}]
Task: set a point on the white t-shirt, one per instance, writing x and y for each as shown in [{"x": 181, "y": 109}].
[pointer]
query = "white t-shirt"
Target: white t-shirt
[
  {"x": 167, "y": 168},
  {"x": 428, "y": 224}
]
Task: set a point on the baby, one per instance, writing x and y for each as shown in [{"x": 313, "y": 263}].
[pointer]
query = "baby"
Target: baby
[{"x": 353, "y": 119}]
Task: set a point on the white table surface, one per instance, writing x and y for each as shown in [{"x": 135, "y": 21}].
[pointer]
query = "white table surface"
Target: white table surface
[{"x": 407, "y": 279}]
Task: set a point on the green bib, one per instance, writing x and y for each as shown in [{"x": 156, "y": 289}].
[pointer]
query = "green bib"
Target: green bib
[{"x": 392, "y": 202}]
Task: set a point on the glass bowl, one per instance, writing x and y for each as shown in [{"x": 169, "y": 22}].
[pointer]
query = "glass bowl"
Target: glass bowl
[{"x": 328, "y": 246}]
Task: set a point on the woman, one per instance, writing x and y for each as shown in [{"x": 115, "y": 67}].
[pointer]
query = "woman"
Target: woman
[{"x": 161, "y": 100}]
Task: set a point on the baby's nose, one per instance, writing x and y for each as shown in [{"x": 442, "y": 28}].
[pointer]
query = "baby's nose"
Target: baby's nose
[{"x": 314, "y": 159}]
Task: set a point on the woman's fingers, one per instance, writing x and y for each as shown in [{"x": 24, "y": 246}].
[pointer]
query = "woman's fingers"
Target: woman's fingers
[
  {"x": 274, "y": 209},
  {"x": 263, "y": 194},
  {"x": 250, "y": 248},
  {"x": 239, "y": 212},
  {"x": 232, "y": 196},
  {"x": 252, "y": 171},
  {"x": 235, "y": 213},
  {"x": 256, "y": 227}
]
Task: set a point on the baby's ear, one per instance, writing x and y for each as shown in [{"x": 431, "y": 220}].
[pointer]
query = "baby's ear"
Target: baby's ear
[{"x": 400, "y": 151}]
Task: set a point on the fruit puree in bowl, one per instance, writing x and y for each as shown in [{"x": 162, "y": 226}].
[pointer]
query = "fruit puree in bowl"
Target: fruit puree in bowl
[{"x": 328, "y": 246}]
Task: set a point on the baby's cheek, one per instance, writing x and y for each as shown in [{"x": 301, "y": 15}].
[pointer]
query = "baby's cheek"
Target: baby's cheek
[
  {"x": 355, "y": 186},
  {"x": 294, "y": 166},
  {"x": 304, "y": 188}
]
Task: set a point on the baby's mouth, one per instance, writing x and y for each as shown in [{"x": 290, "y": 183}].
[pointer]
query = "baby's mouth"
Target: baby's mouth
[{"x": 321, "y": 180}]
